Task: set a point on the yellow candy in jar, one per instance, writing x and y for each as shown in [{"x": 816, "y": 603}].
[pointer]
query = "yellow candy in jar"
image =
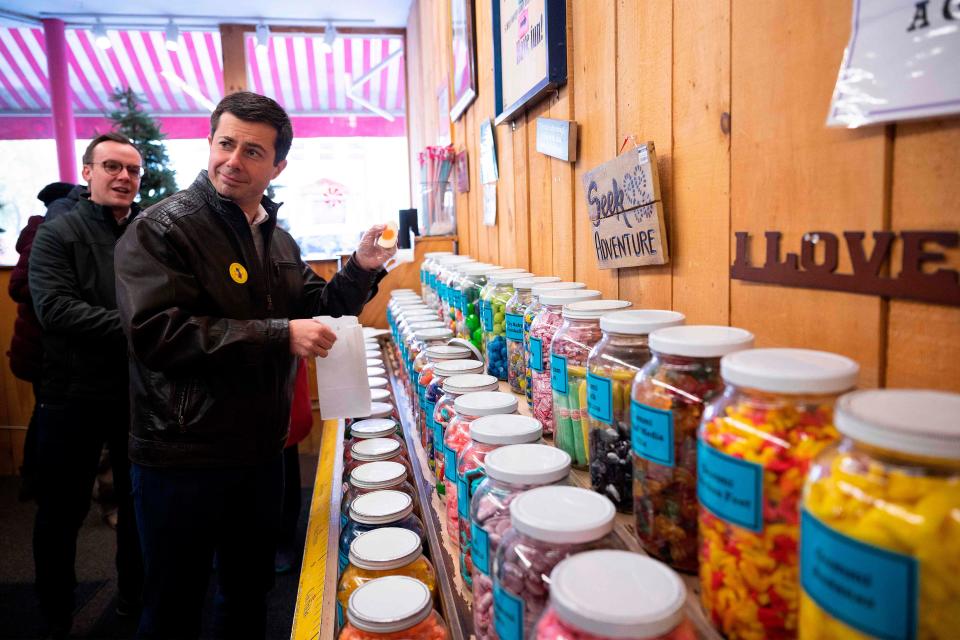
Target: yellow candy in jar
[{"x": 880, "y": 525}]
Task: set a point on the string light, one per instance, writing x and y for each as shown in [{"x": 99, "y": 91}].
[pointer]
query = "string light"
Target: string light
[
  {"x": 173, "y": 36},
  {"x": 100, "y": 35}
]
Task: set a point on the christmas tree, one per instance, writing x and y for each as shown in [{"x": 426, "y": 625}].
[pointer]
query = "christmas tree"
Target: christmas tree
[{"x": 129, "y": 119}]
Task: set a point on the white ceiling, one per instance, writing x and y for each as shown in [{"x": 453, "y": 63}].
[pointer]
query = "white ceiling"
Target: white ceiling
[{"x": 359, "y": 13}]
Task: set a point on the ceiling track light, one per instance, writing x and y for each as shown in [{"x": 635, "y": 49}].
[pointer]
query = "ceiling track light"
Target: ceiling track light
[
  {"x": 329, "y": 37},
  {"x": 263, "y": 37},
  {"x": 172, "y": 36},
  {"x": 100, "y": 35}
]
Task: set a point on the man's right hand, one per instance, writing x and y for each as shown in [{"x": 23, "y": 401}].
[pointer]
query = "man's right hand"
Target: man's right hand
[{"x": 310, "y": 338}]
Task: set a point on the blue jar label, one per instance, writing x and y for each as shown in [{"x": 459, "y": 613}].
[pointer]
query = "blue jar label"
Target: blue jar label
[
  {"x": 449, "y": 463},
  {"x": 342, "y": 561},
  {"x": 480, "y": 548},
  {"x": 536, "y": 354},
  {"x": 651, "y": 432},
  {"x": 339, "y": 616},
  {"x": 868, "y": 588},
  {"x": 731, "y": 488},
  {"x": 466, "y": 486},
  {"x": 437, "y": 438},
  {"x": 558, "y": 373},
  {"x": 428, "y": 408},
  {"x": 515, "y": 327},
  {"x": 486, "y": 316},
  {"x": 600, "y": 398},
  {"x": 507, "y": 613}
]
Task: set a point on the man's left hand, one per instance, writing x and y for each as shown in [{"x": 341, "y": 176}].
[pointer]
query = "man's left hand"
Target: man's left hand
[{"x": 370, "y": 255}]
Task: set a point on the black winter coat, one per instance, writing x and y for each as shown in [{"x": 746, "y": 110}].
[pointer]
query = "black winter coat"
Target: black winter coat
[
  {"x": 72, "y": 283},
  {"x": 211, "y": 371}
]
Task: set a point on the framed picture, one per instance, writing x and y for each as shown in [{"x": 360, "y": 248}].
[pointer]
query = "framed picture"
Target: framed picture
[
  {"x": 464, "y": 57},
  {"x": 529, "y": 53}
]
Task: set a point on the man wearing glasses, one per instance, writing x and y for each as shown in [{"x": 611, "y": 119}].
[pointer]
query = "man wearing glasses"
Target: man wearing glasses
[{"x": 84, "y": 388}]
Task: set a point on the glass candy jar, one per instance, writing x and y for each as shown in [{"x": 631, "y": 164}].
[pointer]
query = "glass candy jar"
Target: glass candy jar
[
  {"x": 446, "y": 275},
  {"x": 453, "y": 293},
  {"x": 432, "y": 435},
  {"x": 510, "y": 471},
  {"x": 394, "y": 608},
  {"x": 472, "y": 281},
  {"x": 466, "y": 409},
  {"x": 449, "y": 389},
  {"x": 383, "y": 508},
  {"x": 375, "y": 450},
  {"x": 611, "y": 367},
  {"x": 515, "y": 309},
  {"x": 494, "y": 320},
  {"x": 422, "y": 339},
  {"x": 431, "y": 356},
  {"x": 668, "y": 399},
  {"x": 607, "y": 595},
  {"x": 571, "y": 347},
  {"x": 542, "y": 331},
  {"x": 428, "y": 272},
  {"x": 880, "y": 524},
  {"x": 370, "y": 428},
  {"x": 757, "y": 441},
  {"x": 529, "y": 314},
  {"x": 486, "y": 434},
  {"x": 375, "y": 476},
  {"x": 547, "y": 525},
  {"x": 390, "y": 551}
]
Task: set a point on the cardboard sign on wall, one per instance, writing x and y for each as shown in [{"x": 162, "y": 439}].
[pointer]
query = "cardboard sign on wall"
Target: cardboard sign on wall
[{"x": 626, "y": 210}]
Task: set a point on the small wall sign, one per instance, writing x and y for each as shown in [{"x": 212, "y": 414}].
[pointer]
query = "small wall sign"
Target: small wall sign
[
  {"x": 625, "y": 208},
  {"x": 814, "y": 269},
  {"x": 557, "y": 138}
]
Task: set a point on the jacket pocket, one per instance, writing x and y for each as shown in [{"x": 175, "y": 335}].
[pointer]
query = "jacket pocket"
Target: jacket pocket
[
  {"x": 182, "y": 398},
  {"x": 288, "y": 278}
]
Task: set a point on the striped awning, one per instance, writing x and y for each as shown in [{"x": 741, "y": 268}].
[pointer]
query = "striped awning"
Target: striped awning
[{"x": 182, "y": 85}]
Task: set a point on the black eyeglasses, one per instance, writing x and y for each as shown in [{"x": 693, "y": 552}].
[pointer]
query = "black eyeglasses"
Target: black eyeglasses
[{"x": 113, "y": 168}]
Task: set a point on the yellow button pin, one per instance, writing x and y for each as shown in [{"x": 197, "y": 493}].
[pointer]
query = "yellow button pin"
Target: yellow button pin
[{"x": 238, "y": 273}]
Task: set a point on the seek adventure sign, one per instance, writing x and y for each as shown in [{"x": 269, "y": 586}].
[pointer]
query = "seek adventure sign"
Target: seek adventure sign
[{"x": 626, "y": 211}]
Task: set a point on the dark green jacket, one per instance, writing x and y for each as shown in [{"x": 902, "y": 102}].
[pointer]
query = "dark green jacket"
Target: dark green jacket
[{"x": 72, "y": 285}]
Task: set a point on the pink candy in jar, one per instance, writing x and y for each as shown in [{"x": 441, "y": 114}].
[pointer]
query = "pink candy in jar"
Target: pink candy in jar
[
  {"x": 467, "y": 408},
  {"x": 544, "y": 326},
  {"x": 606, "y": 594},
  {"x": 511, "y": 470},
  {"x": 547, "y": 525}
]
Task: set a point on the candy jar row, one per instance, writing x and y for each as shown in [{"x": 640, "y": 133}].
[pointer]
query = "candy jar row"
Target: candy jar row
[
  {"x": 430, "y": 433},
  {"x": 444, "y": 392},
  {"x": 514, "y": 311},
  {"x": 529, "y": 314},
  {"x": 493, "y": 318}
]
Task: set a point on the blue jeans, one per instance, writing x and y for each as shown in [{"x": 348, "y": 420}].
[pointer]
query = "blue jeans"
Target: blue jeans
[{"x": 188, "y": 515}]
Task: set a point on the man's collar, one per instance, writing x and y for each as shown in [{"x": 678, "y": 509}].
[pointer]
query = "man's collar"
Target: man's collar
[{"x": 218, "y": 202}]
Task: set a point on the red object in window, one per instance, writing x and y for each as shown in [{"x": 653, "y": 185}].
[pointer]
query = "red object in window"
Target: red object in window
[{"x": 301, "y": 416}]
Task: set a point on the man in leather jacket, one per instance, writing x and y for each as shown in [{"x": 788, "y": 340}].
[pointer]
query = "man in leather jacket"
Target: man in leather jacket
[
  {"x": 217, "y": 306},
  {"x": 83, "y": 390}
]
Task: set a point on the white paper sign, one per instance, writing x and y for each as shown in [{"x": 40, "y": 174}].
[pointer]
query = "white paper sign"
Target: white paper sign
[
  {"x": 488, "y": 154},
  {"x": 900, "y": 64},
  {"x": 490, "y": 204}
]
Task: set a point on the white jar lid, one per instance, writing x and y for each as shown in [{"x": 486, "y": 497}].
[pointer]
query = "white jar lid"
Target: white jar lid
[
  {"x": 371, "y": 344},
  {"x": 699, "y": 341},
  {"x": 373, "y": 428},
  {"x": 437, "y": 254},
  {"x": 563, "y": 515},
  {"x": 476, "y": 268},
  {"x": 915, "y": 421},
  {"x": 419, "y": 311},
  {"x": 460, "y": 342},
  {"x": 506, "y": 277},
  {"x": 485, "y": 403},
  {"x": 528, "y": 464},
  {"x": 398, "y": 293},
  {"x": 506, "y": 429},
  {"x": 380, "y": 409},
  {"x": 458, "y": 267},
  {"x": 421, "y": 325},
  {"x": 375, "y": 449},
  {"x": 410, "y": 303},
  {"x": 527, "y": 284},
  {"x": 640, "y": 322},
  {"x": 377, "y": 382},
  {"x": 447, "y": 352},
  {"x": 381, "y": 507},
  {"x": 617, "y": 594},
  {"x": 374, "y": 362},
  {"x": 454, "y": 259},
  {"x": 438, "y": 333},
  {"x": 541, "y": 289},
  {"x": 567, "y": 296},
  {"x": 792, "y": 371},
  {"x": 376, "y": 371},
  {"x": 469, "y": 383},
  {"x": 593, "y": 309},
  {"x": 379, "y": 395},
  {"x": 372, "y": 353},
  {"x": 457, "y": 367},
  {"x": 378, "y": 475},
  {"x": 385, "y": 548},
  {"x": 389, "y": 605}
]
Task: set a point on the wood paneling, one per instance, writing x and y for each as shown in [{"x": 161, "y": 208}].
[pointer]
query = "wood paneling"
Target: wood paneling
[
  {"x": 16, "y": 396},
  {"x": 734, "y": 93},
  {"x": 234, "y": 57}
]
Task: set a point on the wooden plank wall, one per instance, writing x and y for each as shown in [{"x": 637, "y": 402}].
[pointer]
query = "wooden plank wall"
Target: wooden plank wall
[{"x": 735, "y": 94}]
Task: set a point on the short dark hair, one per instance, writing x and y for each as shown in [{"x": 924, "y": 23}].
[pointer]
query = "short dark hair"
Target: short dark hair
[
  {"x": 253, "y": 107},
  {"x": 113, "y": 136}
]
